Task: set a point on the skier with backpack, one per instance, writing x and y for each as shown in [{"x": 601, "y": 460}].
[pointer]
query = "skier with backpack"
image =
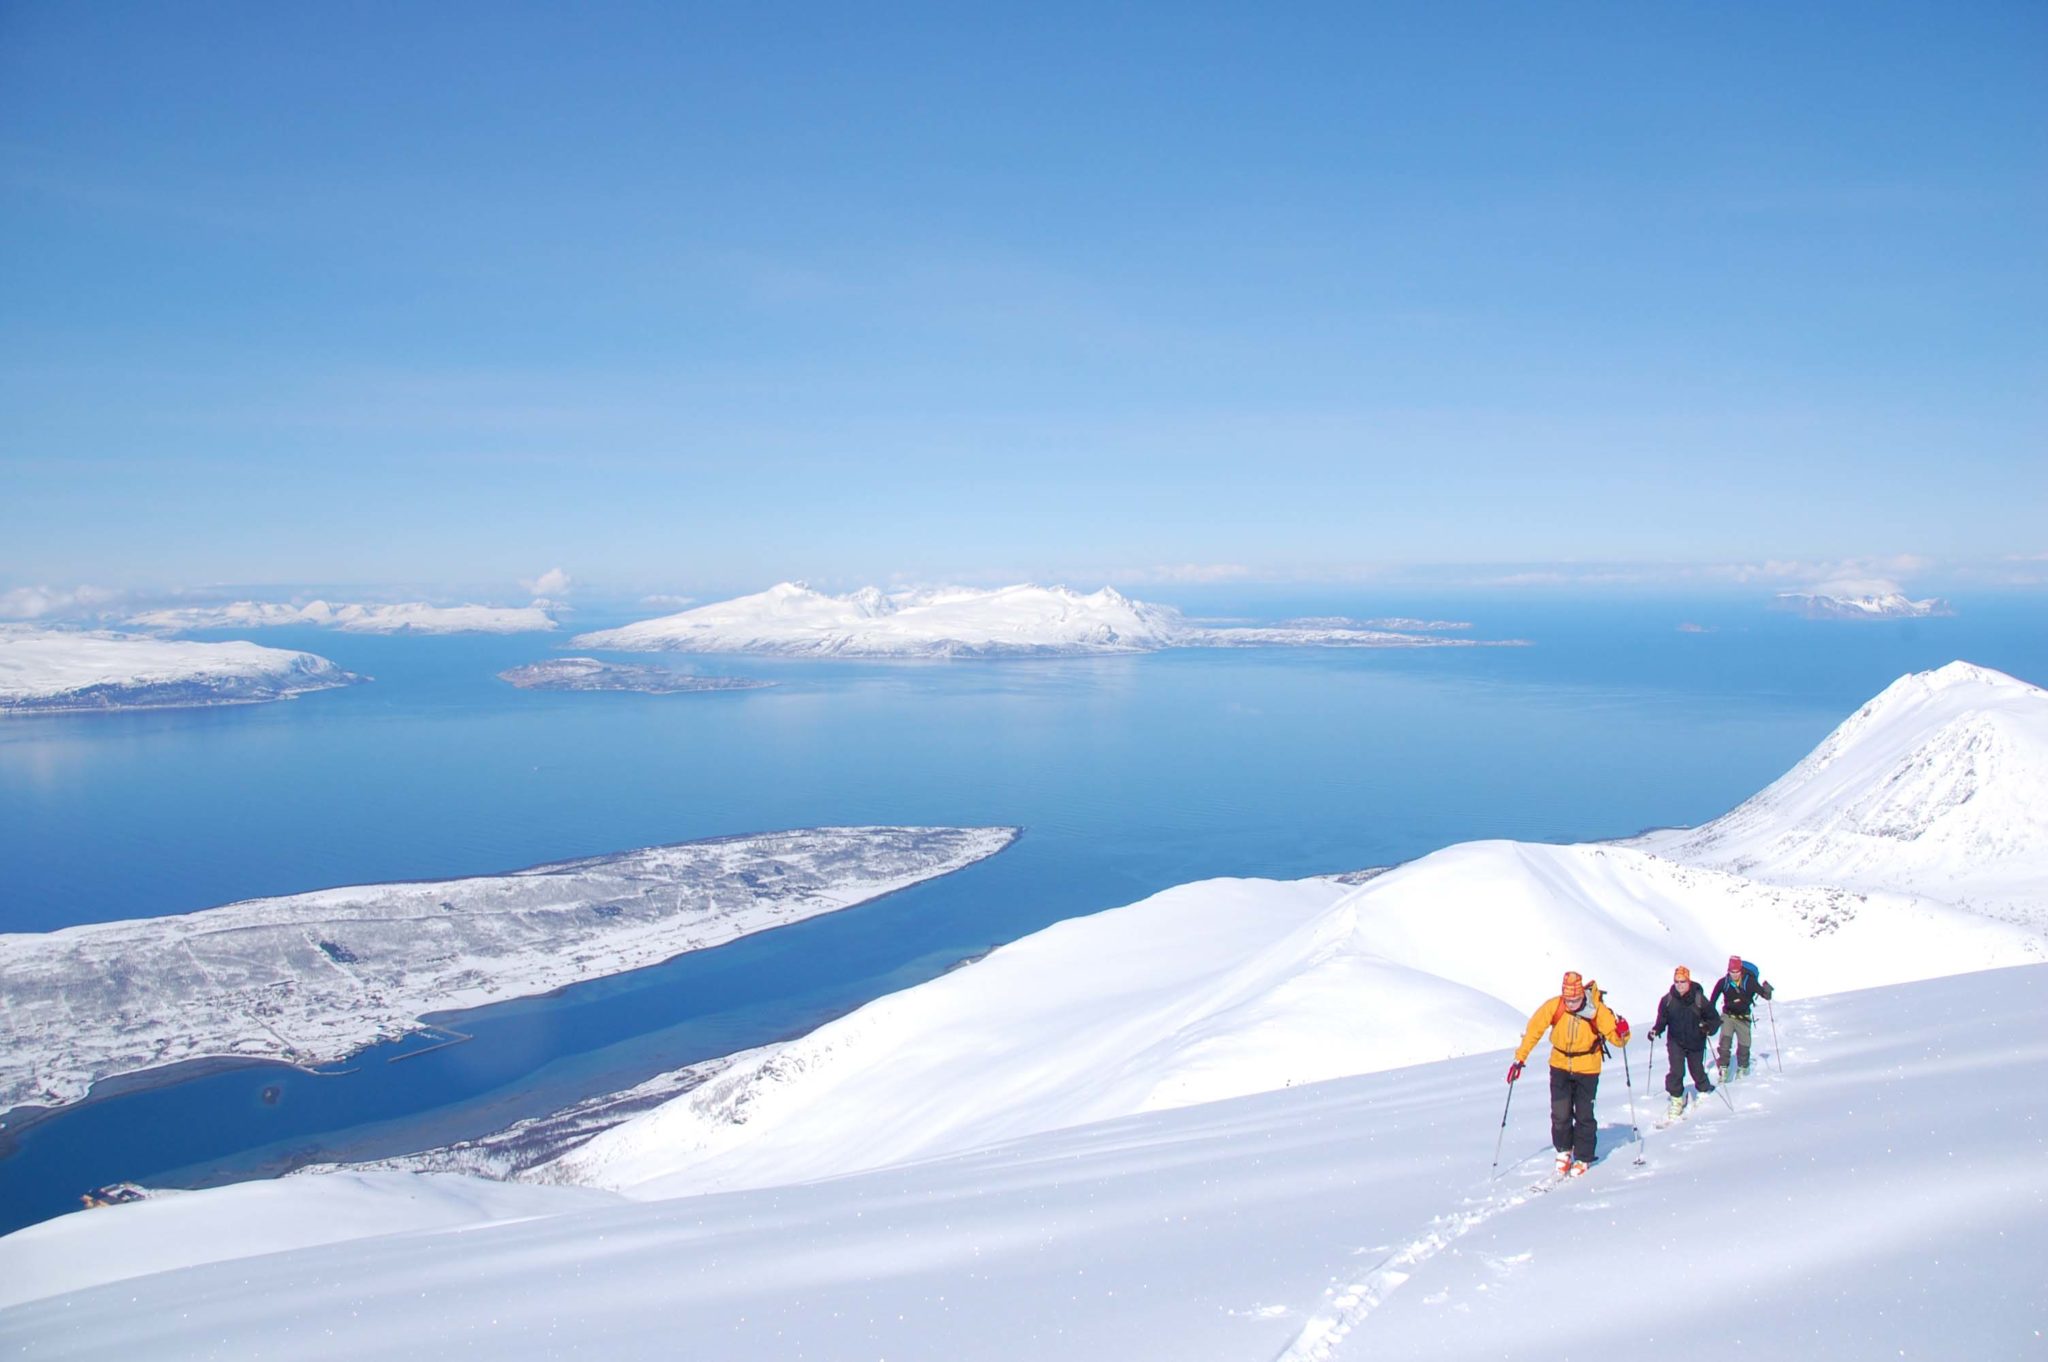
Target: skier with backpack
[
  {"x": 1686, "y": 1014},
  {"x": 1736, "y": 993},
  {"x": 1580, "y": 1026}
]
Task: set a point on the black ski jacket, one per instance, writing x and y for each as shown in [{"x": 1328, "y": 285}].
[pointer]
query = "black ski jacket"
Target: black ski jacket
[
  {"x": 1687, "y": 1019},
  {"x": 1736, "y": 999}
]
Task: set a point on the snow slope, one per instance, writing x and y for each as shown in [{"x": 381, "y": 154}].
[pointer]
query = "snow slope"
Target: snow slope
[
  {"x": 54, "y": 669},
  {"x": 1013, "y": 621},
  {"x": 1938, "y": 787},
  {"x": 1886, "y": 1196},
  {"x": 406, "y": 617},
  {"x": 179, "y": 1229}
]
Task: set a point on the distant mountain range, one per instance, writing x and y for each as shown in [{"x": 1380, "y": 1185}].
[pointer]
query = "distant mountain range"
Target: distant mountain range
[{"x": 1878, "y": 606}]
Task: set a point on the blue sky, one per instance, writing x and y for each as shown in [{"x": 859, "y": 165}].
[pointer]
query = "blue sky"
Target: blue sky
[{"x": 701, "y": 297}]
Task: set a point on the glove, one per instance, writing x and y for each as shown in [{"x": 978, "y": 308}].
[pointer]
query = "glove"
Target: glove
[
  {"x": 1621, "y": 1028},
  {"x": 1656, "y": 1032},
  {"x": 1514, "y": 1071}
]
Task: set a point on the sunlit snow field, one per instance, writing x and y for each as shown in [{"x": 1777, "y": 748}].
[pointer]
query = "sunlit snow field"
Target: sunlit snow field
[{"x": 1129, "y": 774}]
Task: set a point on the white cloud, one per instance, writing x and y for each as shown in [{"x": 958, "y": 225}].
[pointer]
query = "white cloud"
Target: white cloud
[
  {"x": 549, "y": 586},
  {"x": 661, "y": 602},
  {"x": 1846, "y": 587},
  {"x": 1190, "y": 572},
  {"x": 41, "y": 602}
]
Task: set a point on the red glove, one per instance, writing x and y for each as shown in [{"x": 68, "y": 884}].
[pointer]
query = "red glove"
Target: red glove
[
  {"x": 1620, "y": 1027},
  {"x": 1514, "y": 1071}
]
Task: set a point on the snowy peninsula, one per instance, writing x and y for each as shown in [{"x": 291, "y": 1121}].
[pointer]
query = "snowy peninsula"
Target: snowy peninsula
[
  {"x": 314, "y": 977},
  {"x": 53, "y": 670},
  {"x": 1878, "y": 605},
  {"x": 407, "y": 617},
  {"x": 1183, "y": 1121},
  {"x": 1013, "y": 621},
  {"x": 588, "y": 673}
]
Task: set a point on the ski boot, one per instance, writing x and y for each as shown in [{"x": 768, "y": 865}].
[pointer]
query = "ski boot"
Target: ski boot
[
  {"x": 1677, "y": 1107},
  {"x": 1564, "y": 1165}
]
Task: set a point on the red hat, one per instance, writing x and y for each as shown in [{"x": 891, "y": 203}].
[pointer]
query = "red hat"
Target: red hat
[
  {"x": 1681, "y": 974},
  {"x": 1574, "y": 986},
  {"x": 1734, "y": 964}
]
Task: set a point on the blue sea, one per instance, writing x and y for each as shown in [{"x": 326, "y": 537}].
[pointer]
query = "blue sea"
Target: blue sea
[{"x": 1128, "y": 775}]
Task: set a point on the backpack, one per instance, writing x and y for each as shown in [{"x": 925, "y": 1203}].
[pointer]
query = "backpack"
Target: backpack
[{"x": 1710, "y": 1020}]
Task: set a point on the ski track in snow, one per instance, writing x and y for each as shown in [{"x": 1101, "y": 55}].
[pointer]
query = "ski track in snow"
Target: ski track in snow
[{"x": 1348, "y": 1304}]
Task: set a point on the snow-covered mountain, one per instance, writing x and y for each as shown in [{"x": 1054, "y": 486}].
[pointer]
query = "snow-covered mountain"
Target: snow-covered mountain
[
  {"x": 1938, "y": 787},
  {"x": 793, "y": 618},
  {"x": 1870, "y": 605},
  {"x": 405, "y": 617},
  {"x": 1012, "y": 621},
  {"x": 54, "y": 669}
]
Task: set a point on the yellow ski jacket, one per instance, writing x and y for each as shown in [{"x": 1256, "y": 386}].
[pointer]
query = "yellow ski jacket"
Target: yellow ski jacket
[{"x": 1574, "y": 1043}]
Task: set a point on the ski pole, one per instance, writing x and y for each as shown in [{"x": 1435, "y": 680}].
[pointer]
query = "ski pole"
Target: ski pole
[
  {"x": 1632, "y": 1122},
  {"x": 1776, "y": 1058},
  {"x": 1503, "y": 1129}
]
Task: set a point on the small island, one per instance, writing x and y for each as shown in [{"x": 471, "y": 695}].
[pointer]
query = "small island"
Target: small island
[{"x": 588, "y": 673}]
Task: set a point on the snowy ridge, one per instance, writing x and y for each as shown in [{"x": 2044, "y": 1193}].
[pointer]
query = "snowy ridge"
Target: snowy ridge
[
  {"x": 407, "y": 617},
  {"x": 1937, "y": 787},
  {"x": 1232, "y": 987},
  {"x": 53, "y": 669},
  {"x": 1013, "y": 621}
]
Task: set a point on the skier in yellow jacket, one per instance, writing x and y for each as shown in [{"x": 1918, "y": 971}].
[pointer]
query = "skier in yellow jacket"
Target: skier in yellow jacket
[{"x": 1580, "y": 1025}]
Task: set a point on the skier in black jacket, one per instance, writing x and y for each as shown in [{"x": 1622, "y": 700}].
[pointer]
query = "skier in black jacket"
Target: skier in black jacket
[
  {"x": 1687, "y": 1015},
  {"x": 1736, "y": 993}
]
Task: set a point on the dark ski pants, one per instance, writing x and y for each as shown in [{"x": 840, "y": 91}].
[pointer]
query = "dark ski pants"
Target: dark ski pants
[
  {"x": 1571, "y": 1114},
  {"x": 1736, "y": 1029},
  {"x": 1680, "y": 1058}
]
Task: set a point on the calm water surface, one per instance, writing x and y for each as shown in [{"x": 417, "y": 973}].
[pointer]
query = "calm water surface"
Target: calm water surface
[{"x": 1129, "y": 775}]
